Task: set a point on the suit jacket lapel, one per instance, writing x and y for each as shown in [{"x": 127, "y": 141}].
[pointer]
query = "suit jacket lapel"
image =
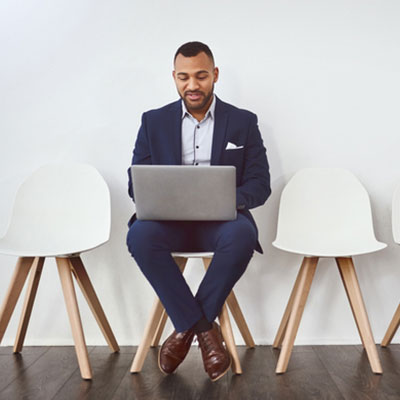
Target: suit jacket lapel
[
  {"x": 175, "y": 134},
  {"x": 220, "y": 125}
]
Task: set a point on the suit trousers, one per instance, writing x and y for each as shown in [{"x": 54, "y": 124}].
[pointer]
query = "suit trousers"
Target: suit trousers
[{"x": 233, "y": 244}]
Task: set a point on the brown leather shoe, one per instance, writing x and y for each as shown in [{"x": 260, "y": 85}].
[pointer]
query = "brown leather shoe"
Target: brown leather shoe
[
  {"x": 174, "y": 350},
  {"x": 216, "y": 358}
]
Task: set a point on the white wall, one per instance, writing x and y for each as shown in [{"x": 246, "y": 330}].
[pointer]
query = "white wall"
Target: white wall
[{"x": 323, "y": 77}]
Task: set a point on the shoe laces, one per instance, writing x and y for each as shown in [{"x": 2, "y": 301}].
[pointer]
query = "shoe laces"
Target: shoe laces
[{"x": 205, "y": 343}]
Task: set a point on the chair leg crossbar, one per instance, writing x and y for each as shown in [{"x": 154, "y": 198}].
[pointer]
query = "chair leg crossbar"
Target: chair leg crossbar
[{"x": 67, "y": 267}]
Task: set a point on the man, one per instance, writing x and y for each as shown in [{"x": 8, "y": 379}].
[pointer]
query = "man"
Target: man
[{"x": 199, "y": 129}]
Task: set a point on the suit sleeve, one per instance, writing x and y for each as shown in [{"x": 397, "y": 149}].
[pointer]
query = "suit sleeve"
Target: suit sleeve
[
  {"x": 255, "y": 185},
  {"x": 141, "y": 152}
]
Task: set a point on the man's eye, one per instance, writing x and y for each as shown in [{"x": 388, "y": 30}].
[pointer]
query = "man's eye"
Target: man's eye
[
  {"x": 201, "y": 78},
  {"x": 183, "y": 78}
]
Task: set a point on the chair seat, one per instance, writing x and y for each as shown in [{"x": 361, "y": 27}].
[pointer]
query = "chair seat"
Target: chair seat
[
  {"x": 60, "y": 209},
  {"x": 329, "y": 249},
  {"x": 193, "y": 255}
]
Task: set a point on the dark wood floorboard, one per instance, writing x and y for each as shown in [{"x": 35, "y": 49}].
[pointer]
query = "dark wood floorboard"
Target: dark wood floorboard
[
  {"x": 306, "y": 376},
  {"x": 314, "y": 372},
  {"x": 350, "y": 369},
  {"x": 108, "y": 369},
  {"x": 12, "y": 365},
  {"x": 43, "y": 378},
  {"x": 390, "y": 358}
]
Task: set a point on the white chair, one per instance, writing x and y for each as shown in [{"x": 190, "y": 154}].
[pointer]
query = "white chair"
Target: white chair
[
  {"x": 158, "y": 317},
  {"x": 325, "y": 213},
  {"x": 395, "y": 322},
  {"x": 59, "y": 211}
]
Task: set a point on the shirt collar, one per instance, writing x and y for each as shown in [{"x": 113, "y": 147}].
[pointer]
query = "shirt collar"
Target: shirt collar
[{"x": 210, "y": 112}]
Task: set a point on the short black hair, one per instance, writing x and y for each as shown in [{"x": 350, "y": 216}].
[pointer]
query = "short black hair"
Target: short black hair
[{"x": 191, "y": 49}]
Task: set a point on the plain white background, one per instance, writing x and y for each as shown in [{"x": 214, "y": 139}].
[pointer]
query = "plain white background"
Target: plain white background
[{"x": 322, "y": 76}]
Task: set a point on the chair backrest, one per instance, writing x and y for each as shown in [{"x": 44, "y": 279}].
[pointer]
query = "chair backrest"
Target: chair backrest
[
  {"x": 61, "y": 209},
  {"x": 396, "y": 215},
  {"x": 325, "y": 212}
]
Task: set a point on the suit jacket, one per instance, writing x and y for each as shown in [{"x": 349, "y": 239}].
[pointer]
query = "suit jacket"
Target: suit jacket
[{"x": 159, "y": 142}]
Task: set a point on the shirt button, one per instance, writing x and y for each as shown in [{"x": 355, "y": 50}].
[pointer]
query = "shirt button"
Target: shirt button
[
  {"x": 198, "y": 126},
  {"x": 197, "y": 147},
  {"x": 196, "y": 163}
]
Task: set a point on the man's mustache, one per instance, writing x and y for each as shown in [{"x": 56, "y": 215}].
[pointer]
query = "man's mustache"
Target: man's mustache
[{"x": 195, "y": 92}]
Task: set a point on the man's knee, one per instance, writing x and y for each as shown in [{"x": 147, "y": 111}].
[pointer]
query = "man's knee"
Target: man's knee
[
  {"x": 142, "y": 236},
  {"x": 239, "y": 237}
]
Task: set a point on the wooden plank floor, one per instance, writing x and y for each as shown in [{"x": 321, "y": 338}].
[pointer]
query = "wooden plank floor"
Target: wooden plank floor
[{"x": 315, "y": 372}]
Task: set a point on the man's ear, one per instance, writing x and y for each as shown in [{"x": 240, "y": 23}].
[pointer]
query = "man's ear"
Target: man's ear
[
  {"x": 173, "y": 74},
  {"x": 216, "y": 74}
]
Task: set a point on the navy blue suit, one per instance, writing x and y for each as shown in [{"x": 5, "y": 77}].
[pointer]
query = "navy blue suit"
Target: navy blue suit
[{"x": 233, "y": 242}]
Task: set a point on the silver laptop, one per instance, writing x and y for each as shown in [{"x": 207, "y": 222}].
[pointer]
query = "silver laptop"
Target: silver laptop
[{"x": 184, "y": 192}]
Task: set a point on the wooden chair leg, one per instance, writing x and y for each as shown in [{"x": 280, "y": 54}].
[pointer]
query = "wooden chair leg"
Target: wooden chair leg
[
  {"x": 88, "y": 291},
  {"x": 36, "y": 272},
  {"x": 238, "y": 316},
  {"x": 226, "y": 329},
  {"x": 282, "y": 327},
  {"x": 181, "y": 262},
  {"x": 64, "y": 270},
  {"x": 299, "y": 302},
  {"x": 394, "y": 324},
  {"x": 160, "y": 329},
  {"x": 14, "y": 290},
  {"x": 149, "y": 332},
  {"x": 349, "y": 277},
  {"x": 351, "y": 305}
]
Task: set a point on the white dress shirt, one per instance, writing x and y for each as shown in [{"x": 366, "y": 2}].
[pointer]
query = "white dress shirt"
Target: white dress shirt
[{"x": 197, "y": 137}]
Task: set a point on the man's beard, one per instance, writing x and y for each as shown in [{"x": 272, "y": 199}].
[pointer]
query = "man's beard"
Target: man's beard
[{"x": 200, "y": 106}]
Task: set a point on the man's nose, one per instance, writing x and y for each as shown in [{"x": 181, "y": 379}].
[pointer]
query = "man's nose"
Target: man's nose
[{"x": 193, "y": 84}]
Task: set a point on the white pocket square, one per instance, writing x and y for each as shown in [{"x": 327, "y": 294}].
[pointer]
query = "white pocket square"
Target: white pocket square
[{"x": 232, "y": 146}]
